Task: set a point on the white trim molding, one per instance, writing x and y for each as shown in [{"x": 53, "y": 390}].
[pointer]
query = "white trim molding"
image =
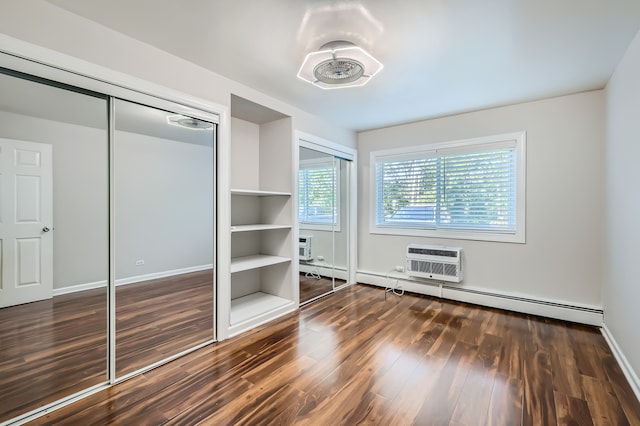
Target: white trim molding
[
  {"x": 562, "y": 310},
  {"x": 624, "y": 364},
  {"x": 130, "y": 280},
  {"x": 324, "y": 270}
]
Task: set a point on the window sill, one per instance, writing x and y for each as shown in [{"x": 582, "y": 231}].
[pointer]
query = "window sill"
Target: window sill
[{"x": 517, "y": 237}]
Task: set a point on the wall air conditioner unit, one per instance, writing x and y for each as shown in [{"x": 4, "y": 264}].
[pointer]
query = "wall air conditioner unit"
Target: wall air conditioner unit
[
  {"x": 434, "y": 262},
  {"x": 305, "y": 248}
]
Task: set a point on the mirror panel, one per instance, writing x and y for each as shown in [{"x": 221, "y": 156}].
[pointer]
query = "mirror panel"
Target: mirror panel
[
  {"x": 318, "y": 218},
  {"x": 341, "y": 232},
  {"x": 54, "y": 173},
  {"x": 164, "y": 234}
]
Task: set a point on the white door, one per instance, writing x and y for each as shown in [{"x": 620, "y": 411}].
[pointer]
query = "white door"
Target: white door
[{"x": 26, "y": 214}]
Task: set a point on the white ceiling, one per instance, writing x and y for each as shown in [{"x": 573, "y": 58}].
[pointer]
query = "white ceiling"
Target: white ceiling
[{"x": 441, "y": 57}]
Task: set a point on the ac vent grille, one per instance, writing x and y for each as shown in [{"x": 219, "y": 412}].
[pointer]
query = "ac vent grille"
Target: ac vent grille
[
  {"x": 438, "y": 263},
  {"x": 305, "y": 248}
]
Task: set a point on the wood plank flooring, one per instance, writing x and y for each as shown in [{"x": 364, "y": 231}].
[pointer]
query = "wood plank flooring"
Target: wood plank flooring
[
  {"x": 159, "y": 318},
  {"x": 311, "y": 287},
  {"x": 56, "y": 347},
  {"x": 353, "y": 358}
]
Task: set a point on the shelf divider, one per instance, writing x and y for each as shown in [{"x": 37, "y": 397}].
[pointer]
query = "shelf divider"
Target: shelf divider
[
  {"x": 253, "y": 305},
  {"x": 257, "y": 227},
  {"x": 259, "y": 193},
  {"x": 255, "y": 261}
]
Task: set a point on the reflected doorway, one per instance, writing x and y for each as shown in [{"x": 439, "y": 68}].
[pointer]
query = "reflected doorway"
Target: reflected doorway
[{"x": 53, "y": 242}]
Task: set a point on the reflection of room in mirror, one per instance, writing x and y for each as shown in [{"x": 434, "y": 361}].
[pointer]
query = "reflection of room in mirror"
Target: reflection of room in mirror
[
  {"x": 53, "y": 336},
  {"x": 54, "y": 145},
  {"x": 163, "y": 197},
  {"x": 323, "y": 223}
]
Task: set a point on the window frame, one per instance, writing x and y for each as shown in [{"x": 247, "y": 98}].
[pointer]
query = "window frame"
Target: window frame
[
  {"x": 321, "y": 226},
  {"x": 486, "y": 142}
]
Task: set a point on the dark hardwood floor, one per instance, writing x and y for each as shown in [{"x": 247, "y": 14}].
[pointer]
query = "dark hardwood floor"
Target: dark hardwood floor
[
  {"x": 56, "y": 347},
  {"x": 353, "y": 357},
  {"x": 159, "y": 318},
  {"x": 312, "y": 287}
]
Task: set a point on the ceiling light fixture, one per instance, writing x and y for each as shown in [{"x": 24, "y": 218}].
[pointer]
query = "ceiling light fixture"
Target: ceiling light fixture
[
  {"x": 339, "y": 64},
  {"x": 188, "y": 122}
]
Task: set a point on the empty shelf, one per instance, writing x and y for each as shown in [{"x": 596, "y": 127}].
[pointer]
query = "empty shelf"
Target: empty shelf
[
  {"x": 257, "y": 227},
  {"x": 258, "y": 193},
  {"x": 255, "y": 261},
  {"x": 254, "y": 304}
]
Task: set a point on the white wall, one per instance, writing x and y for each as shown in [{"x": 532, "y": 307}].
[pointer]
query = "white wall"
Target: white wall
[
  {"x": 163, "y": 204},
  {"x": 245, "y": 146},
  {"x": 562, "y": 257},
  {"x": 41, "y": 23},
  {"x": 621, "y": 285}
]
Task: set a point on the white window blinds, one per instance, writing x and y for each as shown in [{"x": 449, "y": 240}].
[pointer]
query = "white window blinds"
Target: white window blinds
[
  {"x": 472, "y": 188},
  {"x": 317, "y": 194}
]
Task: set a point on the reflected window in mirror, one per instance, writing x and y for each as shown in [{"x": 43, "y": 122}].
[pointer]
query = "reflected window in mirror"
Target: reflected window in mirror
[{"x": 319, "y": 194}]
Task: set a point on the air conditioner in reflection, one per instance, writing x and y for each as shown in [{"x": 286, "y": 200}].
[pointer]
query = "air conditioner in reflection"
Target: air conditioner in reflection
[
  {"x": 434, "y": 262},
  {"x": 305, "y": 248}
]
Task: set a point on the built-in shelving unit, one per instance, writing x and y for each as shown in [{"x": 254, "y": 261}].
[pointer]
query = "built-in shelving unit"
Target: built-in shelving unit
[{"x": 260, "y": 283}]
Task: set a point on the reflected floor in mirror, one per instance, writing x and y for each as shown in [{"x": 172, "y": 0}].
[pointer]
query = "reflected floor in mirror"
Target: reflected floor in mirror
[
  {"x": 50, "y": 349},
  {"x": 312, "y": 286},
  {"x": 353, "y": 357},
  {"x": 56, "y": 347},
  {"x": 159, "y": 318}
]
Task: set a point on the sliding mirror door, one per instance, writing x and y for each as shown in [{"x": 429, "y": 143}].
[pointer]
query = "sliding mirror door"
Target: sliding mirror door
[
  {"x": 164, "y": 234},
  {"x": 318, "y": 218},
  {"x": 341, "y": 231},
  {"x": 54, "y": 216}
]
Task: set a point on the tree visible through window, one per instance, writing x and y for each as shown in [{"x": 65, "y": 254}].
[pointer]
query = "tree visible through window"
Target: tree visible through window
[{"x": 473, "y": 187}]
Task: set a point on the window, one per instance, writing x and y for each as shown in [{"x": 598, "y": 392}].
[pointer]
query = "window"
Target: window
[
  {"x": 472, "y": 189},
  {"x": 318, "y": 203}
]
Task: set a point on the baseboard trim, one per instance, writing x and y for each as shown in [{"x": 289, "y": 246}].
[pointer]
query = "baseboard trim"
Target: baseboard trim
[
  {"x": 582, "y": 314},
  {"x": 627, "y": 369},
  {"x": 162, "y": 274},
  {"x": 78, "y": 287},
  {"x": 129, "y": 280}
]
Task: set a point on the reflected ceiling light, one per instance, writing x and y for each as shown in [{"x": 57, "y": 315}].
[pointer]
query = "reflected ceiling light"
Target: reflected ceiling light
[
  {"x": 339, "y": 64},
  {"x": 188, "y": 122}
]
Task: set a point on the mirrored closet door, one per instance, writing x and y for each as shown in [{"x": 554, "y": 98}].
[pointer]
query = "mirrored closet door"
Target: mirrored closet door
[
  {"x": 323, "y": 219},
  {"x": 54, "y": 242},
  {"x": 107, "y": 235},
  {"x": 341, "y": 229},
  {"x": 164, "y": 234}
]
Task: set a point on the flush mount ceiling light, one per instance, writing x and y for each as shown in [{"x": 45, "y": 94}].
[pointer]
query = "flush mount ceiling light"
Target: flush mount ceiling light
[
  {"x": 339, "y": 64},
  {"x": 188, "y": 122}
]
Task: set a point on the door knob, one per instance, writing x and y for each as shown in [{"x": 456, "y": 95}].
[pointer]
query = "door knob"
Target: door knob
[{"x": 46, "y": 229}]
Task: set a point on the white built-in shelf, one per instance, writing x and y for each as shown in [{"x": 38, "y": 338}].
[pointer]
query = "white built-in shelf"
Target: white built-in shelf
[
  {"x": 258, "y": 193},
  {"x": 247, "y": 307},
  {"x": 255, "y": 261},
  {"x": 257, "y": 227}
]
